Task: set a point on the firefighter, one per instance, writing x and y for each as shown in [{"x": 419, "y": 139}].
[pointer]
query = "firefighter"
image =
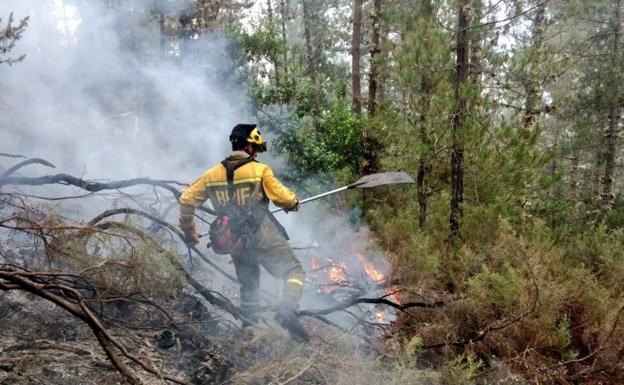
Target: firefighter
[{"x": 266, "y": 240}]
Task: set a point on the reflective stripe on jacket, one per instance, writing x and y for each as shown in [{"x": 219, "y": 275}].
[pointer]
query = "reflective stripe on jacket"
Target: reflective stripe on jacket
[{"x": 254, "y": 184}]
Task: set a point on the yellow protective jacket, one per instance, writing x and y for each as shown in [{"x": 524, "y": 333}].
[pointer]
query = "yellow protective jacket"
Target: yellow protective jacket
[{"x": 254, "y": 184}]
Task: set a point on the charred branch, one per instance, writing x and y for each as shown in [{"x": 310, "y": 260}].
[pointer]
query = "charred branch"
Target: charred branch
[
  {"x": 166, "y": 225},
  {"x": 377, "y": 301},
  {"x": 25, "y": 163},
  {"x": 12, "y": 155},
  {"x": 92, "y": 186},
  {"x": 213, "y": 297},
  {"x": 71, "y": 299}
]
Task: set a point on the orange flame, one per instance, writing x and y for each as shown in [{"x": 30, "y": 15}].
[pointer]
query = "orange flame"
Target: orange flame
[
  {"x": 373, "y": 273},
  {"x": 334, "y": 272},
  {"x": 337, "y": 274}
]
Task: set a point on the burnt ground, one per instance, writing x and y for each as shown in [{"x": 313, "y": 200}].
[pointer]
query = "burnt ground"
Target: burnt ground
[{"x": 43, "y": 344}]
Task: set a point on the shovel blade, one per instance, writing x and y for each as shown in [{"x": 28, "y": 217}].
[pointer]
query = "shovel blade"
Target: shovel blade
[{"x": 383, "y": 178}]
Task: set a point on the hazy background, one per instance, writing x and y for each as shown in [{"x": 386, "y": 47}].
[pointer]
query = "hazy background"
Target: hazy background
[{"x": 102, "y": 97}]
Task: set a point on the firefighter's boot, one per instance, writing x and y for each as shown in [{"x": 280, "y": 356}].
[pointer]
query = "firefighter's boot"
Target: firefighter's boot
[
  {"x": 287, "y": 317},
  {"x": 287, "y": 311},
  {"x": 249, "y": 315}
]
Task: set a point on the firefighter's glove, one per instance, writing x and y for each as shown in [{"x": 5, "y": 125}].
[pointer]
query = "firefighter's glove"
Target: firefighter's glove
[
  {"x": 191, "y": 238},
  {"x": 295, "y": 207}
]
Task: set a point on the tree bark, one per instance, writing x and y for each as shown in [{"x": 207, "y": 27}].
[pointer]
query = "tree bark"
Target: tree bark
[
  {"x": 375, "y": 56},
  {"x": 531, "y": 109},
  {"x": 612, "y": 137},
  {"x": 355, "y": 57},
  {"x": 421, "y": 183},
  {"x": 574, "y": 179},
  {"x": 421, "y": 100},
  {"x": 311, "y": 58},
  {"x": 276, "y": 63},
  {"x": 459, "y": 118},
  {"x": 613, "y": 131},
  {"x": 476, "y": 40},
  {"x": 284, "y": 18}
]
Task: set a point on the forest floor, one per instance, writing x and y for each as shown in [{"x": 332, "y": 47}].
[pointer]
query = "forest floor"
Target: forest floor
[{"x": 43, "y": 344}]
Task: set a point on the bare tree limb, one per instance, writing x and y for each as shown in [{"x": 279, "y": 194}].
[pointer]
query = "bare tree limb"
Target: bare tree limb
[
  {"x": 12, "y": 155},
  {"x": 13, "y": 279},
  {"x": 213, "y": 297},
  {"x": 166, "y": 225},
  {"x": 305, "y": 369},
  {"x": 25, "y": 163},
  {"x": 379, "y": 301},
  {"x": 93, "y": 186}
]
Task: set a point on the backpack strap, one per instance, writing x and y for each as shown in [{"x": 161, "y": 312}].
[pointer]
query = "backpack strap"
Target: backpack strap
[{"x": 230, "y": 167}]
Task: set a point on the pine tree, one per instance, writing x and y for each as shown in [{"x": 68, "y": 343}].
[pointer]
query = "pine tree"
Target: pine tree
[
  {"x": 9, "y": 35},
  {"x": 459, "y": 118},
  {"x": 355, "y": 57}
]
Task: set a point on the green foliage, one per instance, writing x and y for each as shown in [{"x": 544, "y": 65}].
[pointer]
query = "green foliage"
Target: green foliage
[
  {"x": 563, "y": 336},
  {"x": 501, "y": 290},
  {"x": 415, "y": 345},
  {"x": 463, "y": 369},
  {"x": 533, "y": 241},
  {"x": 337, "y": 144},
  {"x": 601, "y": 251}
]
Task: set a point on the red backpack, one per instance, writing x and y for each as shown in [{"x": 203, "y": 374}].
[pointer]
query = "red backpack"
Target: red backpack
[{"x": 234, "y": 225}]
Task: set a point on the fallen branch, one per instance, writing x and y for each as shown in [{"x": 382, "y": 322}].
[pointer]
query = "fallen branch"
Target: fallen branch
[
  {"x": 25, "y": 163},
  {"x": 12, "y": 155},
  {"x": 378, "y": 301},
  {"x": 305, "y": 369},
  {"x": 166, "y": 225},
  {"x": 92, "y": 186},
  {"x": 219, "y": 301},
  {"x": 62, "y": 296},
  {"x": 593, "y": 353}
]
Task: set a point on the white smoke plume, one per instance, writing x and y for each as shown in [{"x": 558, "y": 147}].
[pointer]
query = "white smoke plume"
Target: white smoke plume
[{"x": 101, "y": 96}]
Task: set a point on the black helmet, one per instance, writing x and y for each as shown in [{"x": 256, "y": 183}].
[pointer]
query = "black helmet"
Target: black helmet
[{"x": 247, "y": 133}]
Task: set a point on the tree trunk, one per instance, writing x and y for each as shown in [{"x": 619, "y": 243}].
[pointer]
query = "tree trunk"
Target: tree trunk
[
  {"x": 613, "y": 132},
  {"x": 424, "y": 93},
  {"x": 276, "y": 63},
  {"x": 355, "y": 57},
  {"x": 612, "y": 136},
  {"x": 270, "y": 10},
  {"x": 284, "y": 19},
  {"x": 459, "y": 118},
  {"x": 476, "y": 39},
  {"x": 421, "y": 183},
  {"x": 163, "y": 35},
  {"x": 311, "y": 58},
  {"x": 533, "y": 87},
  {"x": 574, "y": 179},
  {"x": 375, "y": 57}
]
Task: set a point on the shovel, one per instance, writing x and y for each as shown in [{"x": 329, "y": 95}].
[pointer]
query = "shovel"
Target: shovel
[{"x": 368, "y": 181}]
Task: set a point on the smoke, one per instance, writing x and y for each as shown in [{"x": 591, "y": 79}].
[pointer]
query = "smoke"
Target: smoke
[{"x": 102, "y": 96}]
